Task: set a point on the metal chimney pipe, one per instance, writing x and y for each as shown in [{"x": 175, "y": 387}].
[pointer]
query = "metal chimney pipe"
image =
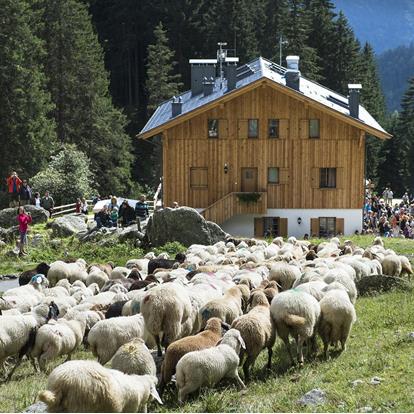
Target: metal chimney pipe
[
  {"x": 353, "y": 99},
  {"x": 292, "y": 74}
]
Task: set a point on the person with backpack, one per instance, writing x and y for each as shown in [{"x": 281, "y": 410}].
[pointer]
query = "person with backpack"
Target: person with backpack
[{"x": 13, "y": 187}]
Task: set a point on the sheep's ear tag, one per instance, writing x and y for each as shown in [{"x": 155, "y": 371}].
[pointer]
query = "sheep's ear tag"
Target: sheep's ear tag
[
  {"x": 243, "y": 345},
  {"x": 155, "y": 394}
]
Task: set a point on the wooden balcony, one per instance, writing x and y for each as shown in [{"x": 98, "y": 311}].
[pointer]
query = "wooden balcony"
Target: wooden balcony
[{"x": 231, "y": 205}]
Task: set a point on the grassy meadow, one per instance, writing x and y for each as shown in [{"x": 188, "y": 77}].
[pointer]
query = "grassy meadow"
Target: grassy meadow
[{"x": 378, "y": 346}]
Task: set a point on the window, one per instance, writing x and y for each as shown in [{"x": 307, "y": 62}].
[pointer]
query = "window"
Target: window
[
  {"x": 273, "y": 175},
  {"x": 314, "y": 128},
  {"x": 213, "y": 128},
  {"x": 327, "y": 178},
  {"x": 273, "y": 128},
  {"x": 198, "y": 177},
  {"x": 253, "y": 128},
  {"x": 270, "y": 226},
  {"x": 327, "y": 226}
]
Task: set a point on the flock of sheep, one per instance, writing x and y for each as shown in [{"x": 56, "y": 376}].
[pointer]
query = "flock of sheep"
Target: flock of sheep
[{"x": 212, "y": 309}]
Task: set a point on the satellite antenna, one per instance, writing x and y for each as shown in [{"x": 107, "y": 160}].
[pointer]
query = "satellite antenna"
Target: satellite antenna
[{"x": 221, "y": 57}]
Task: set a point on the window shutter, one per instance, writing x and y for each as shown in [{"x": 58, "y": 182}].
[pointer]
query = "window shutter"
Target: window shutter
[
  {"x": 198, "y": 177},
  {"x": 223, "y": 128},
  {"x": 242, "y": 128},
  {"x": 304, "y": 128},
  {"x": 340, "y": 223},
  {"x": 258, "y": 227},
  {"x": 283, "y": 128},
  {"x": 315, "y": 177},
  {"x": 283, "y": 227},
  {"x": 314, "y": 227},
  {"x": 283, "y": 175},
  {"x": 340, "y": 178}
]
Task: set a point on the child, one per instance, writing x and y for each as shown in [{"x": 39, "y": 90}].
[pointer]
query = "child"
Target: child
[
  {"x": 114, "y": 216},
  {"x": 24, "y": 220}
]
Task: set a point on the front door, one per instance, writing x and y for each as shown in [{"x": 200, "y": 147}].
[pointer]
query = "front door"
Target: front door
[{"x": 249, "y": 180}]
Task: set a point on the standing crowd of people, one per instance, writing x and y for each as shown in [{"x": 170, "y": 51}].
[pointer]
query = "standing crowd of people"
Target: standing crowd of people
[{"x": 385, "y": 218}]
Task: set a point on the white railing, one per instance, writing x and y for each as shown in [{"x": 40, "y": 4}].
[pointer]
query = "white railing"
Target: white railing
[{"x": 67, "y": 209}]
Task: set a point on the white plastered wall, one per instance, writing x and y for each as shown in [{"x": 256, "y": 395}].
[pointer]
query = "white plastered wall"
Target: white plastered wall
[{"x": 243, "y": 225}]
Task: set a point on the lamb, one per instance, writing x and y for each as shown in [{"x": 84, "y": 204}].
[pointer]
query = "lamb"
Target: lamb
[
  {"x": 164, "y": 263},
  {"x": 165, "y": 309},
  {"x": 108, "y": 335},
  {"x": 86, "y": 386},
  {"x": 227, "y": 308},
  {"x": 26, "y": 276},
  {"x": 209, "y": 366},
  {"x": 58, "y": 338},
  {"x": 296, "y": 313},
  {"x": 337, "y": 316},
  {"x": 134, "y": 358},
  {"x": 18, "y": 332},
  {"x": 284, "y": 274},
  {"x": 257, "y": 331},
  {"x": 205, "y": 339}
]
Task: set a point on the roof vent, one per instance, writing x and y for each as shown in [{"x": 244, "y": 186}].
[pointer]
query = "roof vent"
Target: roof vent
[
  {"x": 176, "y": 106},
  {"x": 208, "y": 86},
  {"x": 353, "y": 99},
  {"x": 292, "y": 74},
  {"x": 200, "y": 69},
  {"x": 231, "y": 73}
]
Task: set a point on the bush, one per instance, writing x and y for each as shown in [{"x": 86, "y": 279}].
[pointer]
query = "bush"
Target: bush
[
  {"x": 67, "y": 177},
  {"x": 172, "y": 248}
]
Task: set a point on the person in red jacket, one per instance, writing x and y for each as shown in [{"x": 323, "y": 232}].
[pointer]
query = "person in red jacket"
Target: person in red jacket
[
  {"x": 24, "y": 220},
  {"x": 13, "y": 187}
]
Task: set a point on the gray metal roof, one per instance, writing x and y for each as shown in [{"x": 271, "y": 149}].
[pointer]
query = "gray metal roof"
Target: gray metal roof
[{"x": 248, "y": 73}]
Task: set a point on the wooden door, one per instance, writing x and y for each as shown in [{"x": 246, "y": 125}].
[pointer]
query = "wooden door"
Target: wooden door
[{"x": 249, "y": 180}]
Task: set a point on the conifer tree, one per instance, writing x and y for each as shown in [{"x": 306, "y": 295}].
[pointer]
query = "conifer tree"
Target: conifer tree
[
  {"x": 78, "y": 83},
  {"x": 161, "y": 83},
  {"x": 27, "y": 135}
]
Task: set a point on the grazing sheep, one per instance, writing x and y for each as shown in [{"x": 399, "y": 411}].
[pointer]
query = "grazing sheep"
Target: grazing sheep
[
  {"x": 115, "y": 309},
  {"x": 227, "y": 308},
  {"x": 119, "y": 272},
  {"x": 314, "y": 288},
  {"x": 134, "y": 358},
  {"x": 64, "y": 303},
  {"x": 58, "y": 338},
  {"x": 97, "y": 276},
  {"x": 86, "y": 386},
  {"x": 165, "y": 309},
  {"x": 205, "y": 339},
  {"x": 345, "y": 280},
  {"x": 284, "y": 274},
  {"x": 71, "y": 271},
  {"x": 141, "y": 284},
  {"x": 337, "y": 316},
  {"x": 106, "y": 267},
  {"x": 257, "y": 331},
  {"x": 209, "y": 366},
  {"x": 108, "y": 335},
  {"x": 164, "y": 263},
  {"x": 26, "y": 276},
  {"x": 18, "y": 333},
  {"x": 296, "y": 313}
]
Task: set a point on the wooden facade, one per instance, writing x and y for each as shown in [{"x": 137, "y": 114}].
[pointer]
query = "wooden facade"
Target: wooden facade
[{"x": 186, "y": 146}]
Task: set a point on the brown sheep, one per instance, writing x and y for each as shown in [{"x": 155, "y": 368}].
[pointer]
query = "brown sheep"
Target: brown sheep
[{"x": 205, "y": 339}]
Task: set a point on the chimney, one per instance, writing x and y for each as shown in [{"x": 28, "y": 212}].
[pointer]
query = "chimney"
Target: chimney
[
  {"x": 208, "y": 86},
  {"x": 292, "y": 75},
  {"x": 353, "y": 99},
  {"x": 176, "y": 106},
  {"x": 231, "y": 72},
  {"x": 200, "y": 69}
]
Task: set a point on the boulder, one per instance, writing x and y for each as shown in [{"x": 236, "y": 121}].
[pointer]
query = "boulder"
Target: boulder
[
  {"x": 10, "y": 234},
  {"x": 184, "y": 225},
  {"x": 313, "y": 397},
  {"x": 8, "y": 215},
  {"x": 130, "y": 233},
  {"x": 68, "y": 225},
  {"x": 380, "y": 283}
]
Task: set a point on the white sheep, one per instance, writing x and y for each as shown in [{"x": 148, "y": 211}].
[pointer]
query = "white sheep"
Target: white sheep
[
  {"x": 284, "y": 274},
  {"x": 134, "y": 358},
  {"x": 71, "y": 271},
  {"x": 209, "y": 366},
  {"x": 97, "y": 276},
  {"x": 344, "y": 279},
  {"x": 58, "y": 338},
  {"x": 108, "y": 335},
  {"x": 165, "y": 309},
  {"x": 86, "y": 386},
  {"x": 337, "y": 316},
  {"x": 296, "y": 313}
]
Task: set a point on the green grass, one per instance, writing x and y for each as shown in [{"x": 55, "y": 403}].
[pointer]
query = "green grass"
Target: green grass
[{"x": 378, "y": 346}]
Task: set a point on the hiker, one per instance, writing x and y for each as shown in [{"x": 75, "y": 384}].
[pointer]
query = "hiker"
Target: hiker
[
  {"x": 84, "y": 206},
  {"x": 126, "y": 214},
  {"x": 25, "y": 193},
  {"x": 48, "y": 203},
  {"x": 78, "y": 205},
  {"x": 141, "y": 208},
  {"x": 113, "y": 203},
  {"x": 37, "y": 200},
  {"x": 103, "y": 219},
  {"x": 24, "y": 219},
  {"x": 13, "y": 187}
]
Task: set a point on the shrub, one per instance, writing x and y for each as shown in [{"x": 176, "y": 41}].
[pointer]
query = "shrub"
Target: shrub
[{"x": 172, "y": 248}]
